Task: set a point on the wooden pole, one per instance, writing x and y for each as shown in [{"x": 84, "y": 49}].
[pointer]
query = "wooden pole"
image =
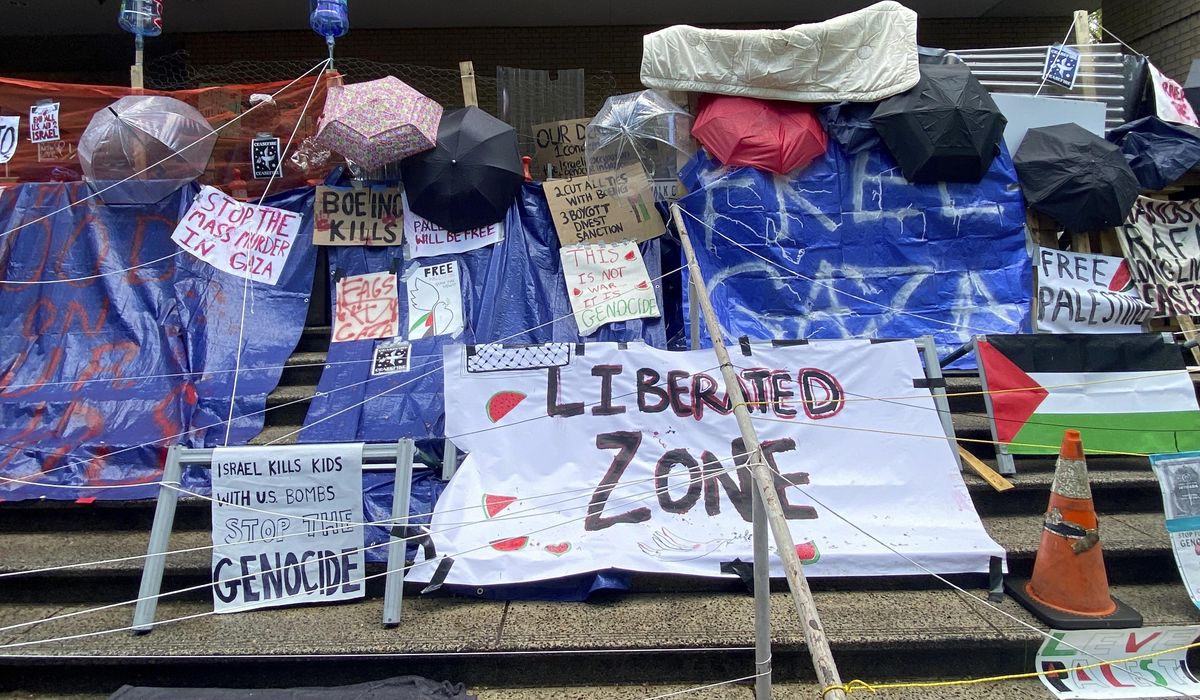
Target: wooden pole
[
  {"x": 136, "y": 72},
  {"x": 467, "y": 70},
  {"x": 764, "y": 480}
]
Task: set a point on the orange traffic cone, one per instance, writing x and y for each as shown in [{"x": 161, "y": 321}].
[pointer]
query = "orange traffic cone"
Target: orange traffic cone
[{"x": 1069, "y": 587}]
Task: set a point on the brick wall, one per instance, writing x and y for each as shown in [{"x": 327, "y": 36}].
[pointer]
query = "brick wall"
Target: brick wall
[{"x": 1164, "y": 30}]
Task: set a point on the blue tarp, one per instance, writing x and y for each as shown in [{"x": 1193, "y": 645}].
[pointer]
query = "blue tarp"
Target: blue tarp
[
  {"x": 101, "y": 375},
  {"x": 849, "y": 249}
]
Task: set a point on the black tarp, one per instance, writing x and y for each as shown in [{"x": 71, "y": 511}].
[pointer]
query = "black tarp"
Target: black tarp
[{"x": 1159, "y": 152}]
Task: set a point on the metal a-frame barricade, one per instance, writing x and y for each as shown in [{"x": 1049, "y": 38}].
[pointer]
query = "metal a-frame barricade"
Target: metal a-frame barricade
[{"x": 396, "y": 457}]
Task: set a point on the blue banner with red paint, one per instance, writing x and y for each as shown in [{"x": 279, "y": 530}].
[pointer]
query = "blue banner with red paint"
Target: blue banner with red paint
[{"x": 115, "y": 343}]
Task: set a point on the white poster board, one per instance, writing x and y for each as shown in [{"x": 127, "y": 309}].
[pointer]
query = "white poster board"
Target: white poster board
[
  {"x": 1163, "y": 676},
  {"x": 245, "y": 240},
  {"x": 9, "y": 137},
  {"x": 307, "y": 547},
  {"x": 435, "y": 304},
  {"x": 1025, "y": 112},
  {"x": 1086, "y": 293},
  {"x": 607, "y": 283},
  {"x": 43, "y": 123},
  {"x": 646, "y": 442},
  {"x": 423, "y": 238},
  {"x": 367, "y": 306}
]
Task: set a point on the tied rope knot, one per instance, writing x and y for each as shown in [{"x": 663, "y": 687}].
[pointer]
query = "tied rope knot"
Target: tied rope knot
[{"x": 848, "y": 688}]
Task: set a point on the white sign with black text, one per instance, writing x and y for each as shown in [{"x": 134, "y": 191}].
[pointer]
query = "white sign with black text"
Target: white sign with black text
[
  {"x": 1086, "y": 293},
  {"x": 9, "y": 137},
  {"x": 286, "y": 525}
]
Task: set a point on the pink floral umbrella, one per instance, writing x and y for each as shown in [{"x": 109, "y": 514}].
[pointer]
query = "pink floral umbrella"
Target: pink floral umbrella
[{"x": 378, "y": 122}]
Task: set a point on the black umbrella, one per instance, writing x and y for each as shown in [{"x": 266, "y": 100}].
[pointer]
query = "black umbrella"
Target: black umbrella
[
  {"x": 946, "y": 128},
  {"x": 1076, "y": 177},
  {"x": 471, "y": 177},
  {"x": 849, "y": 123},
  {"x": 1159, "y": 152}
]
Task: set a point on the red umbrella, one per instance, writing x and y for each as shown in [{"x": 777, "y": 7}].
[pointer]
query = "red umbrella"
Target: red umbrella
[{"x": 768, "y": 134}]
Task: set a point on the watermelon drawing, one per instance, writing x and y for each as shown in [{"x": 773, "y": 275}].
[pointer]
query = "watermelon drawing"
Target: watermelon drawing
[
  {"x": 511, "y": 544},
  {"x": 1121, "y": 280},
  {"x": 493, "y": 504},
  {"x": 501, "y": 403},
  {"x": 808, "y": 552},
  {"x": 631, "y": 255},
  {"x": 558, "y": 549},
  {"x": 643, "y": 285}
]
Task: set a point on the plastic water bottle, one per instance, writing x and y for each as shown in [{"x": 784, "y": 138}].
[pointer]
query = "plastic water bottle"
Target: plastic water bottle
[
  {"x": 329, "y": 18},
  {"x": 141, "y": 17}
]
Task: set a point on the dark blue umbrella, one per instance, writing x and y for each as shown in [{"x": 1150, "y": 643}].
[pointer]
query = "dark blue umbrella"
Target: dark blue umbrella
[{"x": 1159, "y": 152}]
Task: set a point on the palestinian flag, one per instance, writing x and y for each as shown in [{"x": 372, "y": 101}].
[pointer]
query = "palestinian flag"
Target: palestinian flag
[{"x": 1124, "y": 392}]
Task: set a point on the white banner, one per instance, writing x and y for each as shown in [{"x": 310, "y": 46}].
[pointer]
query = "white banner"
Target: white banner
[
  {"x": 297, "y": 545},
  {"x": 1170, "y": 101},
  {"x": 1085, "y": 293},
  {"x": 1161, "y": 240},
  {"x": 434, "y": 300},
  {"x": 565, "y": 460},
  {"x": 1163, "y": 676},
  {"x": 607, "y": 282},
  {"x": 10, "y": 132},
  {"x": 246, "y": 240},
  {"x": 423, "y": 238}
]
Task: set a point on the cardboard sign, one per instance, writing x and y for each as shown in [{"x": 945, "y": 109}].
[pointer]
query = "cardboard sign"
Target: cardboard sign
[
  {"x": 423, "y": 238},
  {"x": 1165, "y": 675},
  {"x": 367, "y": 306},
  {"x": 607, "y": 207},
  {"x": 9, "y": 132},
  {"x": 1161, "y": 240},
  {"x": 607, "y": 283},
  {"x": 648, "y": 439},
  {"x": 357, "y": 216},
  {"x": 391, "y": 358},
  {"x": 306, "y": 547},
  {"x": 264, "y": 157},
  {"x": 246, "y": 240},
  {"x": 434, "y": 300},
  {"x": 1085, "y": 293},
  {"x": 57, "y": 152},
  {"x": 1179, "y": 479},
  {"x": 43, "y": 123},
  {"x": 1170, "y": 101},
  {"x": 560, "y": 145},
  {"x": 1061, "y": 66}
]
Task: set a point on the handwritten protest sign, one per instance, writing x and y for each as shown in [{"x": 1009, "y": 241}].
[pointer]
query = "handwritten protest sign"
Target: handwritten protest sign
[
  {"x": 357, "y": 216},
  {"x": 1161, "y": 240},
  {"x": 1170, "y": 101},
  {"x": 246, "y": 240},
  {"x": 423, "y": 238},
  {"x": 607, "y": 207},
  {"x": 9, "y": 132},
  {"x": 1160, "y": 669},
  {"x": 1179, "y": 480},
  {"x": 57, "y": 151},
  {"x": 607, "y": 283},
  {"x": 367, "y": 306},
  {"x": 43, "y": 123},
  {"x": 434, "y": 300},
  {"x": 561, "y": 146},
  {"x": 391, "y": 358},
  {"x": 1085, "y": 293},
  {"x": 284, "y": 525}
]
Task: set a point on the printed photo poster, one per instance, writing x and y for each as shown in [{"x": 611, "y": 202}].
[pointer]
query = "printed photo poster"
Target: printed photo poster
[
  {"x": 1086, "y": 293},
  {"x": 604, "y": 208},
  {"x": 9, "y": 137},
  {"x": 246, "y": 240},
  {"x": 367, "y": 306},
  {"x": 43, "y": 123},
  {"x": 357, "y": 216},
  {"x": 1179, "y": 478},
  {"x": 607, "y": 283},
  {"x": 1061, "y": 66},
  {"x": 424, "y": 239},
  {"x": 391, "y": 357},
  {"x": 1165, "y": 675},
  {"x": 647, "y": 440},
  {"x": 286, "y": 525},
  {"x": 434, "y": 300},
  {"x": 1161, "y": 241},
  {"x": 1170, "y": 101}
]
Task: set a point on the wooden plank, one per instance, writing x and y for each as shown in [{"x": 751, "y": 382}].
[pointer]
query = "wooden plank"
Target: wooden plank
[
  {"x": 467, "y": 70},
  {"x": 1189, "y": 332},
  {"x": 984, "y": 471}
]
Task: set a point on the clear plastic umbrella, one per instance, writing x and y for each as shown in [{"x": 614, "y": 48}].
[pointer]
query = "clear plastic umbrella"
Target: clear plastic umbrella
[
  {"x": 167, "y": 138},
  {"x": 641, "y": 127}
]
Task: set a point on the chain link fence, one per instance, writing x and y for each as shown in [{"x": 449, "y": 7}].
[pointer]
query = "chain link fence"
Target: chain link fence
[{"x": 177, "y": 72}]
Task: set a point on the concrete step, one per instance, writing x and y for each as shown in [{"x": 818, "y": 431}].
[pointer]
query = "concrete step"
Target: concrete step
[
  {"x": 288, "y": 404},
  {"x": 303, "y": 368},
  {"x": 314, "y": 339},
  {"x": 651, "y": 638}
]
